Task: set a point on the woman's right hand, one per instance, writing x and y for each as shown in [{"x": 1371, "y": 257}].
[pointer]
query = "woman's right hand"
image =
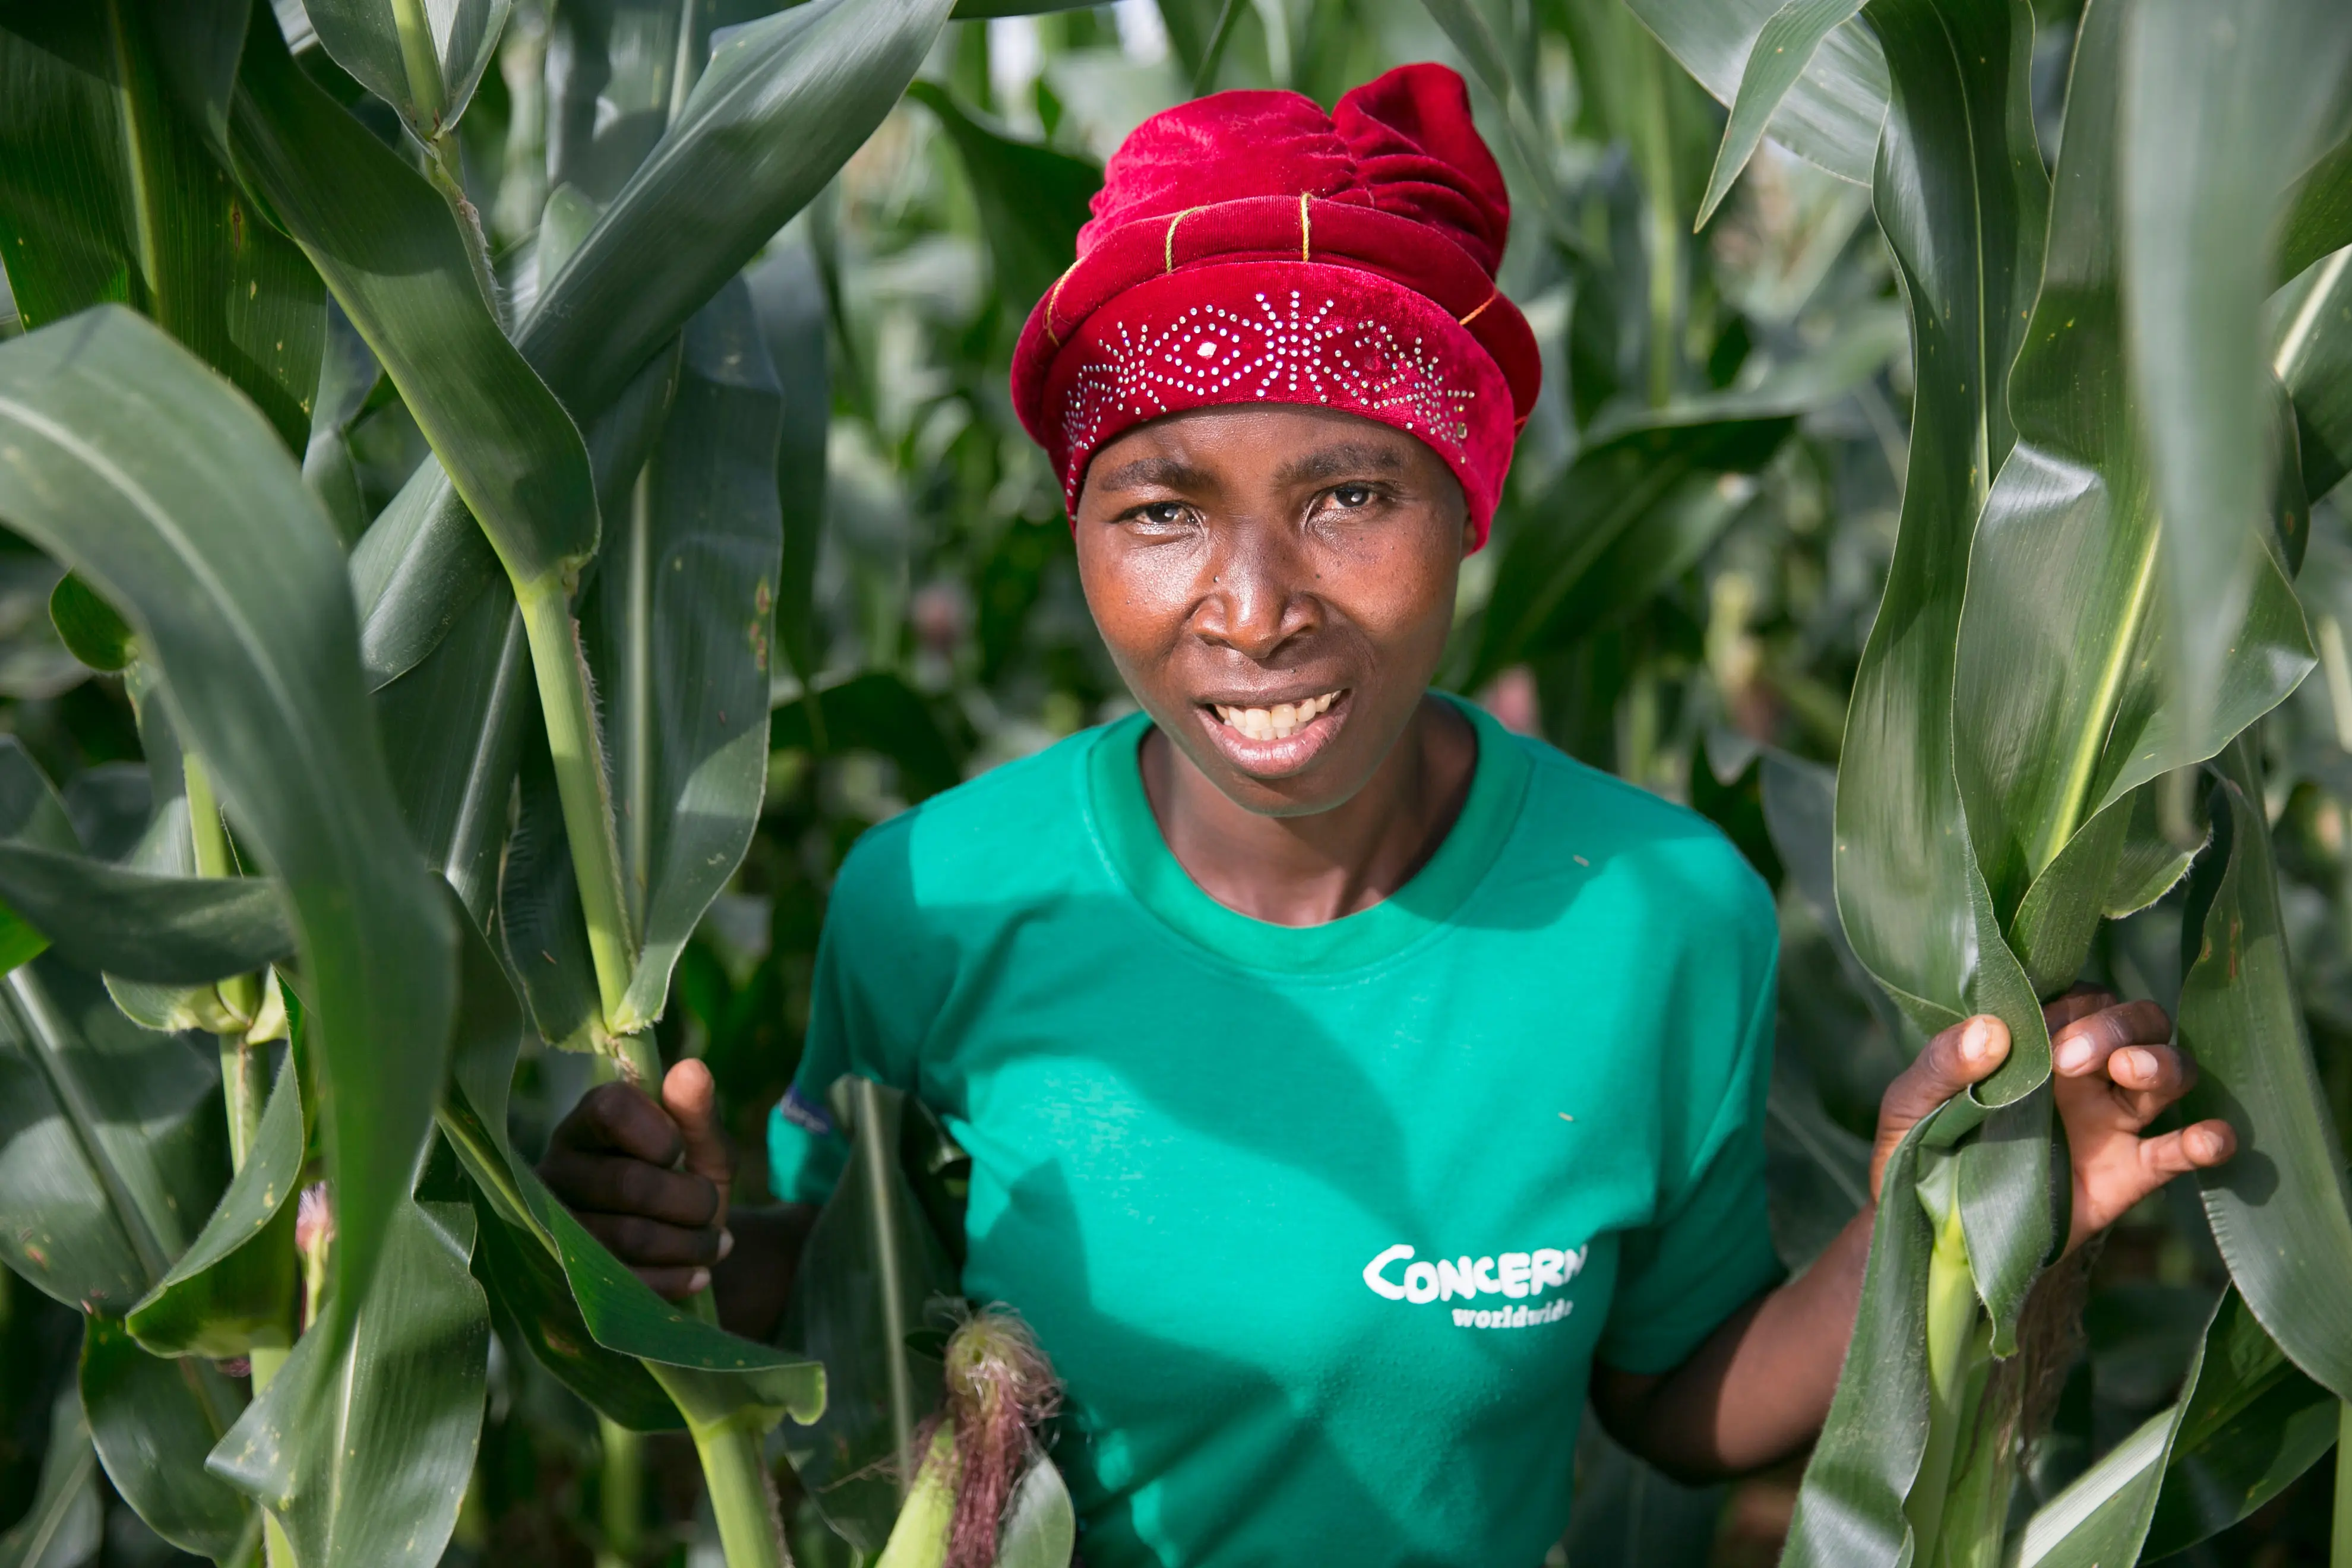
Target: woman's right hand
[{"x": 649, "y": 1180}]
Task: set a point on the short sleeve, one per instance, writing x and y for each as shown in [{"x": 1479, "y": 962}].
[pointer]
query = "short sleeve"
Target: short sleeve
[
  {"x": 872, "y": 1000},
  {"x": 1710, "y": 1251}
]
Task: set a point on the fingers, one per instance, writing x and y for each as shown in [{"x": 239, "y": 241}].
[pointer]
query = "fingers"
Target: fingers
[
  {"x": 2080, "y": 1003},
  {"x": 675, "y": 1284},
  {"x": 1965, "y": 1054},
  {"x": 618, "y": 1118},
  {"x": 2198, "y": 1148},
  {"x": 613, "y": 1184},
  {"x": 2078, "y": 1048},
  {"x": 692, "y": 1100},
  {"x": 644, "y": 1243},
  {"x": 2118, "y": 1170},
  {"x": 649, "y": 1180},
  {"x": 2115, "y": 1072}
]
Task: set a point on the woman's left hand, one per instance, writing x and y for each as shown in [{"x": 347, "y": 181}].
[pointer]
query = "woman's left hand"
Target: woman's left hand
[{"x": 2115, "y": 1071}]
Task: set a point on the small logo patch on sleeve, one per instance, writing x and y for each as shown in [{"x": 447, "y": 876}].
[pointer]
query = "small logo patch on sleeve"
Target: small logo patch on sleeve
[{"x": 807, "y": 1116}]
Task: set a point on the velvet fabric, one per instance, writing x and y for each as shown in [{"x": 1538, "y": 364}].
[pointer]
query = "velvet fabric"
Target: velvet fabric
[{"x": 1248, "y": 248}]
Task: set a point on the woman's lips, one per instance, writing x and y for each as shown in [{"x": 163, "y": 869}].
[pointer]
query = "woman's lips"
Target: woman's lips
[{"x": 1278, "y": 738}]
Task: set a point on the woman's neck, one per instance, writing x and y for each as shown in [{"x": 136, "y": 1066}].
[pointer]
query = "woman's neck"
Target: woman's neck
[{"x": 1306, "y": 870}]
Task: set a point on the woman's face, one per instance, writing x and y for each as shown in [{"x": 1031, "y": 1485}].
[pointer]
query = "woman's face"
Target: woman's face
[{"x": 1276, "y": 584}]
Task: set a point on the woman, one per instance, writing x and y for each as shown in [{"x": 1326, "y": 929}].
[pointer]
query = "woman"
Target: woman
[{"x": 1353, "y": 1087}]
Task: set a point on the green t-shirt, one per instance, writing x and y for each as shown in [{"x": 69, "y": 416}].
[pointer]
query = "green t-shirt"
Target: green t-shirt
[{"x": 1321, "y": 1226}]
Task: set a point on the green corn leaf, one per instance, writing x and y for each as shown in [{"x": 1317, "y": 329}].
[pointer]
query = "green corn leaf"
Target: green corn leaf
[
  {"x": 782, "y": 104},
  {"x": 2318, "y": 211},
  {"x": 1648, "y": 494},
  {"x": 2311, "y": 354},
  {"x": 109, "y": 191},
  {"x": 1961, "y": 195},
  {"x": 2246, "y": 1423},
  {"x": 125, "y": 457},
  {"x": 618, "y": 1311},
  {"x": 532, "y": 1303},
  {"x": 454, "y": 728},
  {"x": 423, "y": 565},
  {"x": 977, "y": 10},
  {"x": 403, "y": 268},
  {"x": 32, "y": 815},
  {"x": 2058, "y": 698},
  {"x": 779, "y": 109},
  {"x": 2151, "y": 865},
  {"x": 1032, "y": 199},
  {"x": 529, "y": 1294},
  {"x": 1818, "y": 1170},
  {"x": 231, "y": 1291},
  {"x": 788, "y": 290},
  {"x": 65, "y": 1524},
  {"x": 396, "y": 1393},
  {"x": 541, "y": 923},
  {"x": 1829, "y": 115},
  {"x": 876, "y": 711},
  {"x": 110, "y": 1143},
  {"x": 423, "y": 562},
  {"x": 1476, "y": 29},
  {"x": 348, "y": 377},
  {"x": 626, "y": 1316},
  {"x": 1631, "y": 513},
  {"x": 1850, "y": 1509},
  {"x": 90, "y": 627},
  {"x": 617, "y": 73},
  {"x": 2281, "y": 1210},
  {"x": 391, "y": 251},
  {"x": 2103, "y": 1516},
  {"x": 2253, "y": 1423},
  {"x": 415, "y": 570},
  {"x": 1784, "y": 47},
  {"x": 677, "y": 628},
  {"x": 1800, "y": 804},
  {"x": 166, "y": 930},
  {"x": 152, "y": 1421},
  {"x": 870, "y": 1270},
  {"x": 20, "y": 940},
  {"x": 2224, "y": 104},
  {"x": 425, "y": 59},
  {"x": 164, "y": 849}
]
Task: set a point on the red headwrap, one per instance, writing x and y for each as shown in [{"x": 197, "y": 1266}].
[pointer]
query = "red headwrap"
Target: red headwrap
[{"x": 1247, "y": 248}]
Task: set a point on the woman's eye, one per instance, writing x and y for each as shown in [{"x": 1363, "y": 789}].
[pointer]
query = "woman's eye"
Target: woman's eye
[
  {"x": 1161, "y": 513},
  {"x": 1353, "y": 496}
]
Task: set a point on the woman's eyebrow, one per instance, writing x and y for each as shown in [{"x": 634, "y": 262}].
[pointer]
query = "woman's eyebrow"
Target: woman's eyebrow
[
  {"x": 1338, "y": 462},
  {"x": 1169, "y": 473}
]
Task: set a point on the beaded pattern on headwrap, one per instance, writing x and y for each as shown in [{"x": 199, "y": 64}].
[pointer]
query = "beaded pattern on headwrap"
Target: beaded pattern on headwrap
[{"x": 1297, "y": 354}]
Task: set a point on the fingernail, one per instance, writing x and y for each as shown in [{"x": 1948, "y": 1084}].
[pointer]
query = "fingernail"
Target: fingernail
[
  {"x": 2074, "y": 1055},
  {"x": 1976, "y": 1042},
  {"x": 726, "y": 1244},
  {"x": 697, "y": 1280},
  {"x": 2138, "y": 1063},
  {"x": 2205, "y": 1144}
]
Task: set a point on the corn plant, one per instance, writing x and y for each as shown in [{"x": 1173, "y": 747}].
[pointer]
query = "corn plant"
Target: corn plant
[
  {"x": 423, "y": 778},
  {"x": 2090, "y": 607},
  {"x": 336, "y": 674}
]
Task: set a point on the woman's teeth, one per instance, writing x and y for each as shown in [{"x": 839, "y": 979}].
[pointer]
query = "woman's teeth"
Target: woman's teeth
[{"x": 1278, "y": 722}]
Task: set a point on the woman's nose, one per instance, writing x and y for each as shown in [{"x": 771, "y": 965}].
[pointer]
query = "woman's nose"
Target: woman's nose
[{"x": 1257, "y": 598}]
